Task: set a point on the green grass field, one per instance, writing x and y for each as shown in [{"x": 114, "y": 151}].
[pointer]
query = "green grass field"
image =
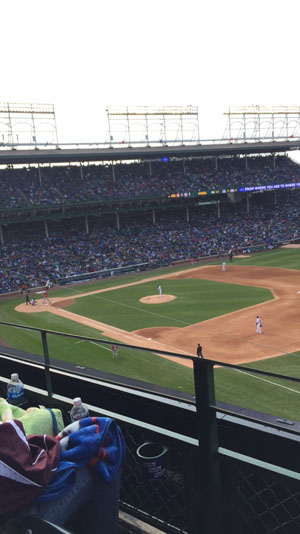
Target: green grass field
[{"x": 197, "y": 300}]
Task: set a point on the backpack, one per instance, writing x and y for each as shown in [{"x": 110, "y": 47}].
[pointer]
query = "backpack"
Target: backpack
[{"x": 26, "y": 466}]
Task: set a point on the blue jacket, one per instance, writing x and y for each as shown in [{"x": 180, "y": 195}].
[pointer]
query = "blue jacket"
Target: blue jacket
[{"x": 99, "y": 443}]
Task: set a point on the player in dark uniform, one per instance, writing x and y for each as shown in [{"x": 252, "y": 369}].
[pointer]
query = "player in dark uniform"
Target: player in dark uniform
[{"x": 199, "y": 351}]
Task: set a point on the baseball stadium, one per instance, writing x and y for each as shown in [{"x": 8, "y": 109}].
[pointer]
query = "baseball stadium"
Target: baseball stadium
[{"x": 117, "y": 261}]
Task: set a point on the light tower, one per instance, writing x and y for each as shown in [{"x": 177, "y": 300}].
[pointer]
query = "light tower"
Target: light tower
[
  {"x": 27, "y": 124},
  {"x": 144, "y": 125},
  {"x": 262, "y": 123}
]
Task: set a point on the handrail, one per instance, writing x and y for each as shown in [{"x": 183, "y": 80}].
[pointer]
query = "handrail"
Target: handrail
[
  {"x": 158, "y": 351},
  {"x": 204, "y": 417}
]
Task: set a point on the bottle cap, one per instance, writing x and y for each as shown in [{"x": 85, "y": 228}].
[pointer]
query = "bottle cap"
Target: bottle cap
[
  {"x": 77, "y": 401},
  {"x": 14, "y": 376}
]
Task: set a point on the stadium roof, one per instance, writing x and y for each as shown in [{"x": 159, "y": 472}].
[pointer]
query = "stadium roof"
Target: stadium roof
[{"x": 63, "y": 155}]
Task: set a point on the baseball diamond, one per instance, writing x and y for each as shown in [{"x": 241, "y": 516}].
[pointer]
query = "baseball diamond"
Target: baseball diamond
[{"x": 229, "y": 338}]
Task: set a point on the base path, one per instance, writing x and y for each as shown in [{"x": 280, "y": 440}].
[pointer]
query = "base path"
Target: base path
[{"x": 230, "y": 338}]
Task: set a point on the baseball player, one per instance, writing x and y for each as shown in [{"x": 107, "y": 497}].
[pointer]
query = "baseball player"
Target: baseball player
[
  {"x": 114, "y": 350},
  {"x": 46, "y": 299},
  {"x": 224, "y": 266},
  {"x": 258, "y": 324},
  {"x": 199, "y": 351},
  {"x": 160, "y": 291}
]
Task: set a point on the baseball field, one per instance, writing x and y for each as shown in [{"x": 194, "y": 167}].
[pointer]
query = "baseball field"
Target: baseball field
[{"x": 199, "y": 304}]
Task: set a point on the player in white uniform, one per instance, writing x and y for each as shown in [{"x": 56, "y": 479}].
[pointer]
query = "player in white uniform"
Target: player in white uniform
[
  {"x": 160, "y": 291},
  {"x": 46, "y": 299},
  {"x": 224, "y": 266},
  {"x": 114, "y": 350},
  {"x": 258, "y": 324}
]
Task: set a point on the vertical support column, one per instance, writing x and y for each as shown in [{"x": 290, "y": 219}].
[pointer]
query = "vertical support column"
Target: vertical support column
[
  {"x": 128, "y": 127},
  {"x": 1, "y": 235},
  {"x": 274, "y": 161},
  {"x": 246, "y": 163},
  {"x": 40, "y": 175},
  {"x": 219, "y": 210},
  {"x": 113, "y": 172},
  {"x": 198, "y": 126},
  {"x": 150, "y": 168},
  {"x": 10, "y": 129},
  {"x": 46, "y": 229},
  {"x": 118, "y": 221},
  {"x": 33, "y": 128},
  {"x": 86, "y": 225},
  {"x": 216, "y": 164},
  {"x": 181, "y": 128},
  {"x": 184, "y": 167},
  {"x": 147, "y": 129},
  {"x": 153, "y": 216},
  {"x": 55, "y": 128},
  {"x": 109, "y": 129},
  {"x": 187, "y": 215},
  {"x": 208, "y": 495},
  {"x": 47, "y": 366},
  {"x": 81, "y": 172},
  {"x": 248, "y": 208}
]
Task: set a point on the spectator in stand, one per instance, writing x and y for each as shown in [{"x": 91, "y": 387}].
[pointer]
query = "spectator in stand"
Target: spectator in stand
[{"x": 61, "y": 185}]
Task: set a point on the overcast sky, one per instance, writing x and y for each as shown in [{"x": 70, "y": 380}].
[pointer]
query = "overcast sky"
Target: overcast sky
[{"x": 85, "y": 56}]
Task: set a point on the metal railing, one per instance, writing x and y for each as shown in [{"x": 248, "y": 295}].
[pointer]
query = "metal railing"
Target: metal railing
[{"x": 205, "y": 483}]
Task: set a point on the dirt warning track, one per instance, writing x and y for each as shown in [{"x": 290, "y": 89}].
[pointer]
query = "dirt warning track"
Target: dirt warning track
[{"x": 230, "y": 338}]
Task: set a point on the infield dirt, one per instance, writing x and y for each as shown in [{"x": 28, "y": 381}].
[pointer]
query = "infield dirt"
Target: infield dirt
[{"x": 229, "y": 338}]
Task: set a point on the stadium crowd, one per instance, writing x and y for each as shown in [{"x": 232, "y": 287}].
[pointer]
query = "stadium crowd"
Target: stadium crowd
[
  {"x": 28, "y": 257},
  {"x": 59, "y": 185}
]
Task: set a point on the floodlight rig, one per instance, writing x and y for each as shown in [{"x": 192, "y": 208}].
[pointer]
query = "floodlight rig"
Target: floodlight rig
[
  {"x": 29, "y": 124},
  {"x": 144, "y": 125},
  {"x": 262, "y": 123}
]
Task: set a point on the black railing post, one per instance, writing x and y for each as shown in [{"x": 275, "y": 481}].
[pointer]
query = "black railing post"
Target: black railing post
[
  {"x": 207, "y": 470},
  {"x": 47, "y": 365}
]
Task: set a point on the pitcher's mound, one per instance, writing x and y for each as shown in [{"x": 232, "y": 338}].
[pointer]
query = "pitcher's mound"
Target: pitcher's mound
[{"x": 156, "y": 299}]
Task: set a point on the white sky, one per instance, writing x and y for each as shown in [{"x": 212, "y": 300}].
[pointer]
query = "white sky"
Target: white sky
[{"x": 83, "y": 56}]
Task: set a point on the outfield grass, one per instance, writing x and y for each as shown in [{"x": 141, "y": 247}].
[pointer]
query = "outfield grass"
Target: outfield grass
[
  {"x": 136, "y": 364},
  {"x": 288, "y": 258},
  {"x": 262, "y": 393}
]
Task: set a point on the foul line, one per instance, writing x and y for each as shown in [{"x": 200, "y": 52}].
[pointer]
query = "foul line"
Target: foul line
[
  {"x": 93, "y": 342},
  {"x": 268, "y": 381},
  {"x": 99, "y": 345}
]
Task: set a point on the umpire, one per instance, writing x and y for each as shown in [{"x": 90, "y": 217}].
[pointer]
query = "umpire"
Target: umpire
[{"x": 199, "y": 351}]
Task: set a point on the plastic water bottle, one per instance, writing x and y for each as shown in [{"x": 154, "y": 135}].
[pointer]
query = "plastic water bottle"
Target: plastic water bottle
[
  {"x": 15, "y": 390},
  {"x": 79, "y": 410}
]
